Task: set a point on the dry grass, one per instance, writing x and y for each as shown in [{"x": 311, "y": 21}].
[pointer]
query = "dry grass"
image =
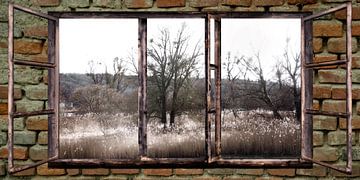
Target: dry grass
[{"x": 254, "y": 134}]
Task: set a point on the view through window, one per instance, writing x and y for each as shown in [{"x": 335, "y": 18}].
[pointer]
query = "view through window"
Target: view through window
[{"x": 260, "y": 88}]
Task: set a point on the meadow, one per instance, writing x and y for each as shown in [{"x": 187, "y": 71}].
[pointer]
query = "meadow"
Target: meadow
[{"x": 253, "y": 134}]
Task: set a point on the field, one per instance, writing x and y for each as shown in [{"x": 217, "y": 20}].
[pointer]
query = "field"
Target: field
[{"x": 254, "y": 134}]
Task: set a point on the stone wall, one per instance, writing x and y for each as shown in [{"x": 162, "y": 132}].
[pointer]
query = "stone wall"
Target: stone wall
[{"x": 329, "y": 89}]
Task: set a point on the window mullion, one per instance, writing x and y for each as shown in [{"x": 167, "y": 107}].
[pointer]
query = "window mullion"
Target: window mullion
[{"x": 142, "y": 71}]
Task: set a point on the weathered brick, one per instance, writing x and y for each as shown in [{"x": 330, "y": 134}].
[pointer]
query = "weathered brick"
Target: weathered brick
[
  {"x": 356, "y": 76},
  {"x": 316, "y": 105},
  {"x": 20, "y": 153},
  {"x": 318, "y": 138},
  {"x": 26, "y": 46},
  {"x": 327, "y": 28},
  {"x": 188, "y": 171},
  {"x": 36, "y": 92},
  {"x": 37, "y": 123},
  {"x": 43, "y": 170},
  {"x": 245, "y": 3},
  {"x": 36, "y": 31},
  {"x": 76, "y": 3},
  {"x": 355, "y": 171},
  {"x": 303, "y": 2},
  {"x": 268, "y": 178},
  {"x": 25, "y": 105},
  {"x": 235, "y": 177},
  {"x": 334, "y": 106},
  {"x": 206, "y": 178},
  {"x": 332, "y": 76},
  {"x": 324, "y": 57},
  {"x": 317, "y": 45},
  {"x": 355, "y": 123},
  {"x": 355, "y": 154},
  {"x": 250, "y": 171},
  {"x": 43, "y": 138},
  {"x": 333, "y": 1},
  {"x": 170, "y": 3},
  {"x": 28, "y": 172},
  {"x": 355, "y": 28},
  {"x": 38, "y": 152},
  {"x": 125, "y": 171},
  {"x": 72, "y": 172},
  {"x": 3, "y": 138},
  {"x": 342, "y": 14},
  {"x": 138, "y": 3},
  {"x": 18, "y": 123},
  {"x": 96, "y": 172},
  {"x": 338, "y": 45},
  {"x": 268, "y": 2},
  {"x": 283, "y": 9},
  {"x": 4, "y": 92},
  {"x": 203, "y": 3},
  {"x": 2, "y": 169},
  {"x": 104, "y": 3},
  {"x": 321, "y": 92},
  {"x": 158, "y": 172},
  {"x": 324, "y": 123},
  {"x": 317, "y": 171},
  {"x": 281, "y": 172},
  {"x": 118, "y": 178},
  {"x": 355, "y": 60},
  {"x": 220, "y": 171},
  {"x": 25, "y": 75},
  {"x": 3, "y": 108},
  {"x": 238, "y": 178},
  {"x": 46, "y": 2},
  {"x": 340, "y": 92},
  {"x": 326, "y": 154},
  {"x": 338, "y": 138},
  {"x": 24, "y": 137}
]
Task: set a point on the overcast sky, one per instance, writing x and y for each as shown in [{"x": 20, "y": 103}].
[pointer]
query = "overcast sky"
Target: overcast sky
[{"x": 101, "y": 40}]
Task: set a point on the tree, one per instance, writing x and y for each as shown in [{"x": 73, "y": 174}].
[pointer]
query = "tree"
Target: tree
[
  {"x": 263, "y": 92},
  {"x": 232, "y": 96},
  {"x": 96, "y": 99},
  {"x": 171, "y": 68},
  {"x": 291, "y": 65},
  {"x": 115, "y": 80}
]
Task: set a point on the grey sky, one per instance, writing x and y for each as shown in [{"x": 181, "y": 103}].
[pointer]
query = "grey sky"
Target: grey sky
[{"x": 82, "y": 40}]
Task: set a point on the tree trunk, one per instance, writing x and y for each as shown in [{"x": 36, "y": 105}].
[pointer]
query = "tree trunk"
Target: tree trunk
[
  {"x": 163, "y": 109},
  {"x": 276, "y": 113},
  {"x": 296, "y": 101},
  {"x": 173, "y": 108}
]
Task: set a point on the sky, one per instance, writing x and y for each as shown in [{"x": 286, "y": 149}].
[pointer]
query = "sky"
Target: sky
[{"x": 101, "y": 40}]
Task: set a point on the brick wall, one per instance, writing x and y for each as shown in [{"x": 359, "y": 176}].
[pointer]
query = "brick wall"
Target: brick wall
[{"x": 329, "y": 94}]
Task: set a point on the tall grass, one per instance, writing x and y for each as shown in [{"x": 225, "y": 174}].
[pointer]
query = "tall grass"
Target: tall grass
[{"x": 254, "y": 134}]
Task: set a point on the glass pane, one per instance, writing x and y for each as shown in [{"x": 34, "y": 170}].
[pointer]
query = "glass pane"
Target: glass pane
[
  {"x": 260, "y": 88},
  {"x": 176, "y": 88},
  {"x": 98, "y": 88}
]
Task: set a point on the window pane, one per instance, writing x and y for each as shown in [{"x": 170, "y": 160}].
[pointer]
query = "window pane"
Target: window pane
[
  {"x": 98, "y": 88},
  {"x": 176, "y": 88},
  {"x": 260, "y": 88}
]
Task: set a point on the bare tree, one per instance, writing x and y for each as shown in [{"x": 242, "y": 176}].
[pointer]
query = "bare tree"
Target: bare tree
[
  {"x": 114, "y": 80},
  {"x": 263, "y": 92},
  {"x": 291, "y": 65},
  {"x": 171, "y": 68},
  {"x": 235, "y": 73},
  {"x": 95, "y": 76}
]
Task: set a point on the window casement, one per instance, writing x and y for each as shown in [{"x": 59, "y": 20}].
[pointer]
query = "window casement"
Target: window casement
[{"x": 213, "y": 147}]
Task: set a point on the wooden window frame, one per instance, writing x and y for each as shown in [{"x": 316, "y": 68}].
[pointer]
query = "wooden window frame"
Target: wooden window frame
[{"x": 212, "y": 159}]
